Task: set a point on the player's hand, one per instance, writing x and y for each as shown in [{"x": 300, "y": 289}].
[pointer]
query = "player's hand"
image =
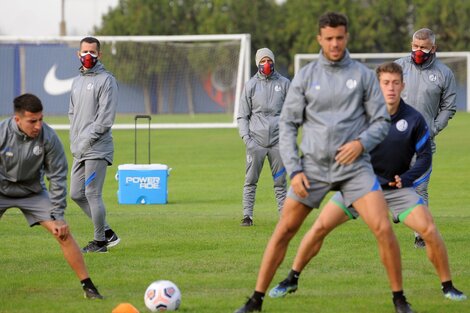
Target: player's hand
[
  {"x": 300, "y": 184},
  {"x": 61, "y": 229},
  {"x": 349, "y": 152},
  {"x": 397, "y": 183}
]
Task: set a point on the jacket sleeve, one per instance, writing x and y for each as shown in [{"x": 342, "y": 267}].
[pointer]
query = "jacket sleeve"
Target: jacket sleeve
[
  {"x": 447, "y": 105},
  {"x": 107, "y": 105},
  {"x": 55, "y": 169},
  {"x": 289, "y": 123},
  {"x": 423, "y": 151},
  {"x": 376, "y": 110},
  {"x": 244, "y": 112}
]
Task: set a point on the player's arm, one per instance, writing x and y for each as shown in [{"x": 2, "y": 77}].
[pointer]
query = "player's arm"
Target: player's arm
[
  {"x": 55, "y": 169},
  {"x": 447, "y": 104},
  {"x": 422, "y": 142},
  {"x": 107, "y": 106}
]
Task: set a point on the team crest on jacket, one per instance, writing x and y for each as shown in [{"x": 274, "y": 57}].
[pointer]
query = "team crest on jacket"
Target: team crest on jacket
[
  {"x": 432, "y": 77},
  {"x": 402, "y": 125},
  {"x": 37, "y": 150},
  {"x": 277, "y": 88},
  {"x": 351, "y": 83},
  {"x": 89, "y": 86}
]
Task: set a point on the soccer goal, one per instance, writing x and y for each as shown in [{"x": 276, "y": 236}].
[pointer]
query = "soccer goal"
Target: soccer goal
[
  {"x": 192, "y": 81},
  {"x": 458, "y": 62}
]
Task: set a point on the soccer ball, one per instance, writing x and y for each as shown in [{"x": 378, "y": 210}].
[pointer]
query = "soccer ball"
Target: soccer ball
[{"x": 162, "y": 295}]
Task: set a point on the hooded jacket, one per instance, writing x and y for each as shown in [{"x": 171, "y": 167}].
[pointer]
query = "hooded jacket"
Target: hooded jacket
[
  {"x": 24, "y": 162},
  {"x": 92, "y": 109},
  {"x": 430, "y": 88},
  {"x": 260, "y": 108},
  {"x": 334, "y": 103}
]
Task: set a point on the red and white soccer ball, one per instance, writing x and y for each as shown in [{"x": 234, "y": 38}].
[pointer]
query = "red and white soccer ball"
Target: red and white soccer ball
[{"x": 162, "y": 295}]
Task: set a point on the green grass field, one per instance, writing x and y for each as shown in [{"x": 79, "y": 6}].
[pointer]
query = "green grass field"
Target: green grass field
[{"x": 195, "y": 240}]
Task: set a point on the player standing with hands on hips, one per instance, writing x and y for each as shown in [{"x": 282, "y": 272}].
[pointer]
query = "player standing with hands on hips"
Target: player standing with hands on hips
[
  {"x": 430, "y": 89},
  {"x": 258, "y": 125},
  {"x": 92, "y": 110},
  {"x": 30, "y": 150},
  {"x": 338, "y": 104}
]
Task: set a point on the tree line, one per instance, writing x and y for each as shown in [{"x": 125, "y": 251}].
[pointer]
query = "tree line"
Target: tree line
[{"x": 290, "y": 27}]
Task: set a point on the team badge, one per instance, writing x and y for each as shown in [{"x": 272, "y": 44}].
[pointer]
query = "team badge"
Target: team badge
[
  {"x": 37, "y": 150},
  {"x": 351, "y": 83},
  {"x": 9, "y": 154},
  {"x": 433, "y": 77},
  {"x": 402, "y": 125},
  {"x": 89, "y": 86},
  {"x": 316, "y": 86},
  {"x": 277, "y": 88}
]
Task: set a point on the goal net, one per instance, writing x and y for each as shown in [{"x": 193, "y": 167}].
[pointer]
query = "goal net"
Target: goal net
[
  {"x": 458, "y": 62},
  {"x": 182, "y": 81}
]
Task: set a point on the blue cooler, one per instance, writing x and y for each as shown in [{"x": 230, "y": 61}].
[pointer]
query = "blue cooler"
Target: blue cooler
[{"x": 142, "y": 183}]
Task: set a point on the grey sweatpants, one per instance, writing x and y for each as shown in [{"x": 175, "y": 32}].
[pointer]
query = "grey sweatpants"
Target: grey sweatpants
[
  {"x": 86, "y": 189},
  {"x": 255, "y": 156}
]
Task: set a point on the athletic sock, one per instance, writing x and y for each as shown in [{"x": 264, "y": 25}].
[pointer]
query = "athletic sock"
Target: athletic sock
[
  {"x": 398, "y": 294},
  {"x": 87, "y": 283},
  {"x": 293, "y": 276},
  {"x": 447, "y": 286},
  {"x": 258, "y": 296}
]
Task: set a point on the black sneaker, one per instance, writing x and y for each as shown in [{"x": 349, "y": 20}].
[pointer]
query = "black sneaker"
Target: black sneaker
[
  {"x": 454, "y": 294},
  {"x": 93, "y": 246},
  {"x": 250, "y": 306},
  {"x": 92, "y": 293},
  {"x": 283, "y": 288},
  {"x": 112, "y": 241},
  {"x": 402, "y": 306},
  {"x": 419, "y": 243},
  {"x": 247, "y": 221}
]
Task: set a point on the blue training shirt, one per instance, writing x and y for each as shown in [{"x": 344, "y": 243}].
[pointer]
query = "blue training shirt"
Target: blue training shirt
[{"x": 408, "y": 135}]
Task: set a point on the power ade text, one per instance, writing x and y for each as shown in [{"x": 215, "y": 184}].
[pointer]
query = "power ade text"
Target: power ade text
[{"x": 144, "y": 182}]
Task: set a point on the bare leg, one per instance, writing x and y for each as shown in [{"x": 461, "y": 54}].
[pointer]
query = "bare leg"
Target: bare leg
[
  {"x": 421, "y": 221},
  {"x": 330, "y": 217},
  {"x": 71, "y": 252},
  {"x": 292, "y": 216},
  {"x": 373, "y": 210}
]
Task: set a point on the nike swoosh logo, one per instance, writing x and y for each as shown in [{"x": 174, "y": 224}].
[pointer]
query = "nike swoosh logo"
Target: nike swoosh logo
[{"x": 55, "y": 86}]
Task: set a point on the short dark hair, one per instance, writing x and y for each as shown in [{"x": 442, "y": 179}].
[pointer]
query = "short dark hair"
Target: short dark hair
[
  {"x": 332, "y": 19},
  {"x": 389, "y": 67},
  {"x": 91, "y": 40},
  {"x": 27, "y": 103}
]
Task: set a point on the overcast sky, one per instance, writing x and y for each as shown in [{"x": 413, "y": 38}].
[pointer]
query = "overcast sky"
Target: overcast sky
[{"x": 42, "y": 17}]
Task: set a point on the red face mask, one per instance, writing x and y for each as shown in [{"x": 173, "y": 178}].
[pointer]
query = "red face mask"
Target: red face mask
[
  {"x": 419, "y": 56},
  {"x": 266, "y": 68},
  {"x": 88, "y": 60}
]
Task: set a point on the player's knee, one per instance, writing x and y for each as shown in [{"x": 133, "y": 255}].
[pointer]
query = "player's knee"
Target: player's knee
[{"x": 429, "y": 232}]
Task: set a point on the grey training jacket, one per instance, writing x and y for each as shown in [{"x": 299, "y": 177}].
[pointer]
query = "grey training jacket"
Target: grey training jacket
[
  {"x": 430, "y": 88},
  {"x": 24, "y": 161},
  {"x": 92, "y": 109},
  {"x": 334, "y": 103},
  {"x": 260, "y": 108}
]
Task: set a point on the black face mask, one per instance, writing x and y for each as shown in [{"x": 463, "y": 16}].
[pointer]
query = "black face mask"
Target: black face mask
[{"x": 419, "y": 56}]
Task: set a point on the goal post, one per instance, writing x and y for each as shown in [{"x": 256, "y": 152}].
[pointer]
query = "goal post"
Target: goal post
[
  {"x": 458, "y": 62},
  {"x": 191, "y": 81}
]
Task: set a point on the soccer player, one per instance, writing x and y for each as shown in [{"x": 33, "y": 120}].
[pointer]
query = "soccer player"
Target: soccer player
[
  {"x": 408, "y": 136},
  {"x": 30, "y": 150},
  {"x": 92, "y": 110},
  {"x": 430, "y": 89},
  {"x": 258, "y": 124},
  {"x": 338, "y": 104}
]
